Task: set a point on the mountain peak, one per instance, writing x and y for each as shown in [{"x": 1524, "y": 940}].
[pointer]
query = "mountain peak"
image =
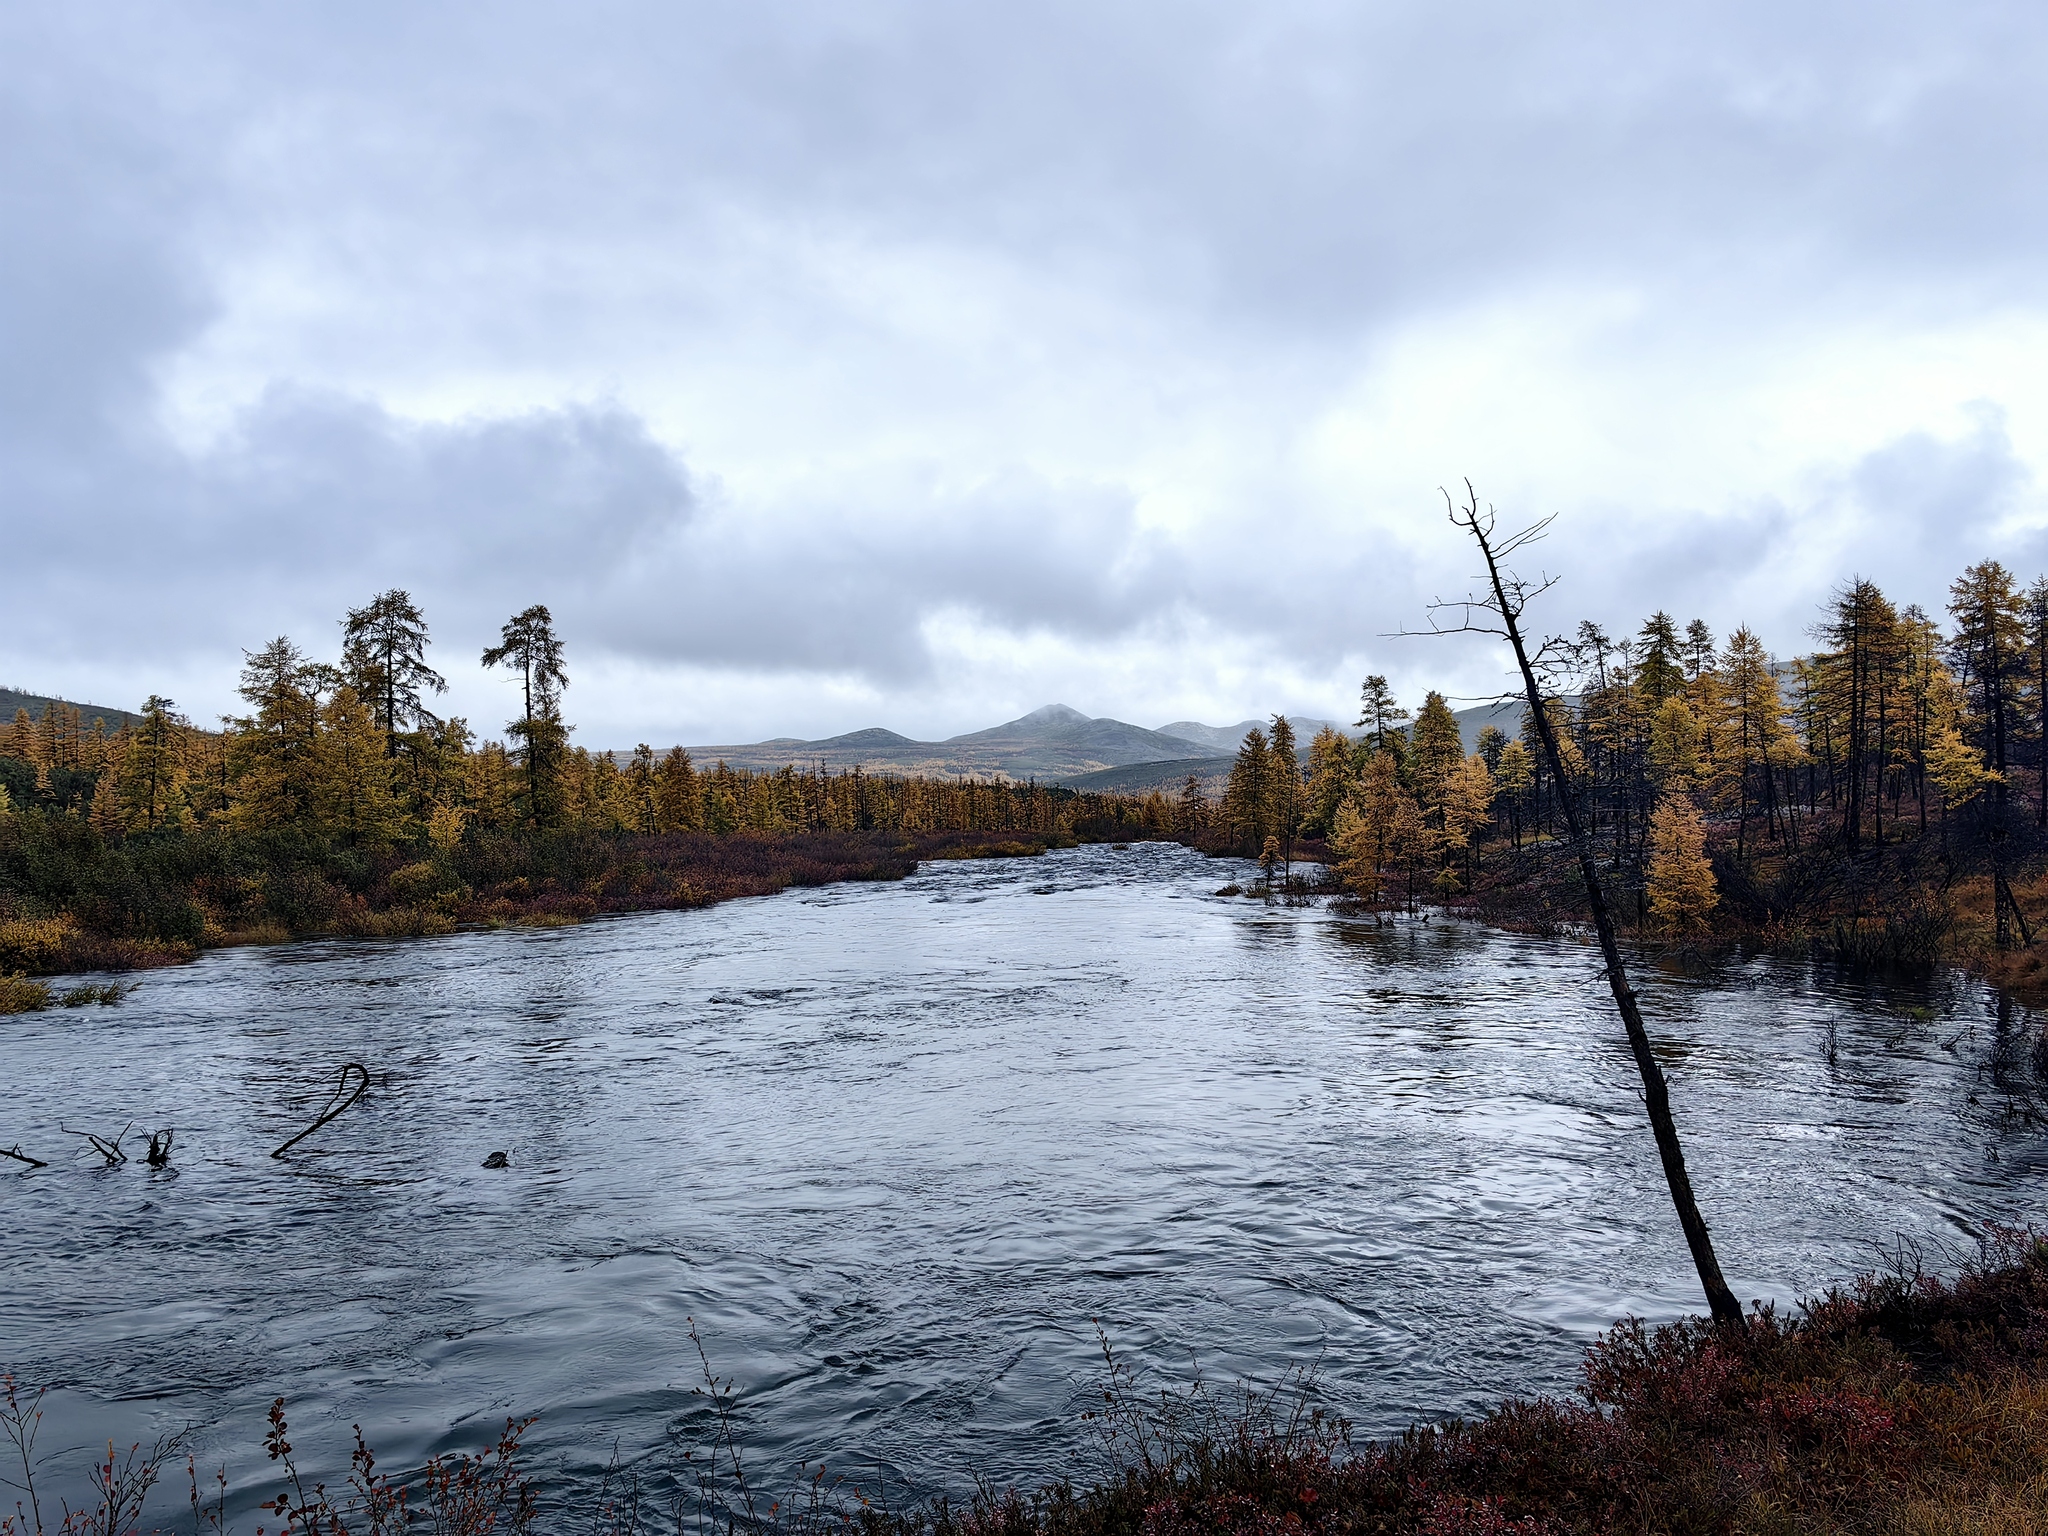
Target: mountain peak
[{"x": 1052, "y": 714}]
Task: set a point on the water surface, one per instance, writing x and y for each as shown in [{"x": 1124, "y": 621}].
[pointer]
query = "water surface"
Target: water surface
[{"x": 897, "y": 1149}]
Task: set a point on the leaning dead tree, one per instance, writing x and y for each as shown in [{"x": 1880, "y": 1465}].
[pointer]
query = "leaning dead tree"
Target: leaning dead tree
[{"x": 1498, "y": 611}]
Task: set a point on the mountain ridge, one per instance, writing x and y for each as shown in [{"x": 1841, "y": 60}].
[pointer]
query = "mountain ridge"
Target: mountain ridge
[{"x": 1054, "y": 742}]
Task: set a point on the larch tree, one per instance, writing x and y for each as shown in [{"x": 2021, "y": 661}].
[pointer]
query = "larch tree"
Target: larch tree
[
  {"x": 679, "y": 804},
  {"x": 271, "y": 767},
  {"x": 1331, "y": 773},
  {"x": 1379, "y": 715},
  {"x": 1468, "y": 808},
  {"x": 354, "y": 798},
  {"x": 1682, "y": 888},
  {"x": 1248, "y": 798},
  {"x": 1437, "y": 749},
  {"x": 1991, "y": 653},
  {"x": 153, "y": 775},
  {"x": 1516, "y": 777},
  {"x": 1674, "y": 744},
  {"x": 1753, "y": 740},
  {"x": 384, "y": 657},
  {"x": 528, "y": 644},
  {"x": 1285, "y": 797}
]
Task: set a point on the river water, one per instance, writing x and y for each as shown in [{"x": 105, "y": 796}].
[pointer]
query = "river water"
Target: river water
[{"x": 898, "y": 1149}]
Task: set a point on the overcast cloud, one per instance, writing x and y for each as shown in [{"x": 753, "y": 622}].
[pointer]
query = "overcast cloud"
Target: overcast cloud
[{"x": 824, "y": 365}]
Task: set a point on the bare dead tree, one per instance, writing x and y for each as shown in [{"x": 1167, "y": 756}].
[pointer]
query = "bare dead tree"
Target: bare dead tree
[{"x": 1498, "y": 611}]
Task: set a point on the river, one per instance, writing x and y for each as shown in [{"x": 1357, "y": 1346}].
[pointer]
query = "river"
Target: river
[{"x": 899, "y": 1149}]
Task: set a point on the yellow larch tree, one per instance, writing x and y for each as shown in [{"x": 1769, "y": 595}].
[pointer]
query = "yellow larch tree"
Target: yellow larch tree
[{"x": 1682, "y": 887}]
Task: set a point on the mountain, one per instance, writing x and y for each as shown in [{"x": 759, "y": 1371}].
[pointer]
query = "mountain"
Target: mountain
[
  {"x": 1054, "y": 742},
  {"x": 1060, "y": 743},
  {"x": 12, "y": 699}
]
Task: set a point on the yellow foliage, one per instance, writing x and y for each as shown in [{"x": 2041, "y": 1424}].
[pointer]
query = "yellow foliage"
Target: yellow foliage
[
  {"x": 33, "y": 943},
  {"x": 444, "y": 827},
  {"x": 1682, "y": 887}
]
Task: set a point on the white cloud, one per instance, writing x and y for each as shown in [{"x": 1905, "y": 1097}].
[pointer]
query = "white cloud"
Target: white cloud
[{"x": 915, "y": 365}]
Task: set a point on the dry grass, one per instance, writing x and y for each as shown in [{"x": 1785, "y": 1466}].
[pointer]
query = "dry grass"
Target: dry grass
[{"x": 18, "y": 994}]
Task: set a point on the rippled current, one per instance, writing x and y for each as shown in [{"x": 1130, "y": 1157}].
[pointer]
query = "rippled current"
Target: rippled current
[{"x": 896, "y": 1147}]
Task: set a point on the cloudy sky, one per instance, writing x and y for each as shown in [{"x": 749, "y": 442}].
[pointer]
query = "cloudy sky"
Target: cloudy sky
[{"x": 916, "y": 364}]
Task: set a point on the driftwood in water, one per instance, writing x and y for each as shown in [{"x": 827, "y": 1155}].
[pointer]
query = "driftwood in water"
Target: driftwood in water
[
  {"x": 110, "y": 1150},
  {"x": 341, "y": 1100},
  {"x": 20, "y": 1156},
  {"x": 160, "y": 1149}
]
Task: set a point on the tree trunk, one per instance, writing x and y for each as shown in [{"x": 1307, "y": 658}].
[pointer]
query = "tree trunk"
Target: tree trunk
[{"x": 1721, "y": 1301}]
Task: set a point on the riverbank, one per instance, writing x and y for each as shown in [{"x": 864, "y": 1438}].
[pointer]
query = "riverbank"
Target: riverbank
[{"x": 164, "y": 903}]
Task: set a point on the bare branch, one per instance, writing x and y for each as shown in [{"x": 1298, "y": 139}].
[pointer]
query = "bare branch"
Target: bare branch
[{"x": 336, "y": 1104}]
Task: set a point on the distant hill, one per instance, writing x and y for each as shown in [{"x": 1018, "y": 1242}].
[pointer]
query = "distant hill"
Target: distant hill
[
  {"x": 1055, "y": 742},
  {"x": 1060, "y": 744},
  {"x": 1167, "y": 777},
  {"x": 12, "y": 699}
]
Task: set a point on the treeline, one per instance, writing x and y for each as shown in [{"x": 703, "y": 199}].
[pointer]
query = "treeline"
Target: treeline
[
  {"x": 1680, "y": 751},
  {"x": 340, "y": 801},
  {"x": 351, "y": 754}
]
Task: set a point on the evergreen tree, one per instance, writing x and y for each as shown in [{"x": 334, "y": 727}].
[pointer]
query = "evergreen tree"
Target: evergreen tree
[
  {"x": 1491, "y": 743},
  {"x": 1248, "y": 799},
  {"x": 1990, "y": 649},
  {"x": 1379, "y": 715},
  {"x": 153, "y": 775},
  {"x": 384, "y": 656},
  {"x": 1660, "y": 671},
  {"x": 1284, "y": 799},
  {"x": 528, "y": 643},
  {"x": 2036, "y": 613},
  {"x": 1331, "y": 774}
]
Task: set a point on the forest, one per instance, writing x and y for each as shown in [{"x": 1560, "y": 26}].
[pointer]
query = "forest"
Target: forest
[
  {"x": 341, "y": 802},
  {"x": 1882, "y": 793}
]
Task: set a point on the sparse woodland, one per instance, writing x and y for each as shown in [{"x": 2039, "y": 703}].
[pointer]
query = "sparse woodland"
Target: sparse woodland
[{"x": 1882, "y": 794}]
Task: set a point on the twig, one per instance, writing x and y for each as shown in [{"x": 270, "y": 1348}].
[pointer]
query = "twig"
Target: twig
[
  {"x": 341, "y": 1100},
  {"x": 20, "y": 1156},
  {"x": 110, "y": 1150}
]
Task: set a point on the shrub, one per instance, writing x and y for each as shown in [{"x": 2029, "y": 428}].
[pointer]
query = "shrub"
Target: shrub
[{"x": 417, "y": 884}]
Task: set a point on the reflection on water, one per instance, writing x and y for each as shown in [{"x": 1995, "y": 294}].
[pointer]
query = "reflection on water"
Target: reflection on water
[{"x": 894, "y": 1147}]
